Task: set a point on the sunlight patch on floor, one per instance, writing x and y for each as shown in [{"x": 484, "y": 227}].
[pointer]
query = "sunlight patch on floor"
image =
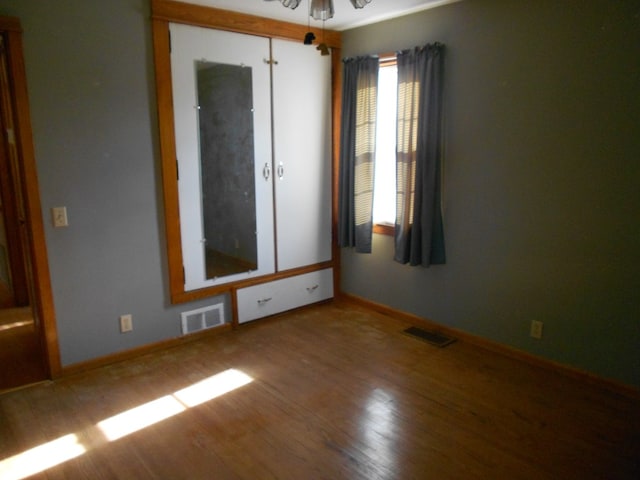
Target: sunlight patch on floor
[
  {"x": 56, "y": 452},
  {"x": 9, "y": 326},
  {"x": 212, "y": 387},
  {"x": 140, "y": 417},
  {"x": 150, "y": 413},
  {"x": 41, "y": 458}
]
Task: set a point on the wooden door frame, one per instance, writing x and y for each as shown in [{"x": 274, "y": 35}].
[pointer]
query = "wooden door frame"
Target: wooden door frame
[
  {"x": 42, "y": 301},
  {"x": 12, "y": 211}
]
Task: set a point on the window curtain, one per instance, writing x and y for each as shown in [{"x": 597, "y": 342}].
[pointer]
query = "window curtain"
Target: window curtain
[
  {"x": 419, "y": 233},
  {"x": 357, "y": 152}
]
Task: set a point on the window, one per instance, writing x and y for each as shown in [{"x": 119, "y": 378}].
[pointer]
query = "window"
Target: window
[
  {"x": 417, "y": 224},
  {"x": 384, "y": 196}
]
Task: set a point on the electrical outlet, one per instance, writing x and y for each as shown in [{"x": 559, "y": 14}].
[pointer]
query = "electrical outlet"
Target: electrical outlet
[
  {"x": 536, "y": 329},
  {"x": 126, "y": 323}
]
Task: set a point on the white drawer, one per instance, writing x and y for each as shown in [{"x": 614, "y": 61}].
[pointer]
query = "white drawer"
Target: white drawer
[{"x": 280, "y": 295}]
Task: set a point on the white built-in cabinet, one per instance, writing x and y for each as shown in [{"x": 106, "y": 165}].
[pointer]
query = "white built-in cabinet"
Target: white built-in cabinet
[{"x": 290, "y": 109}]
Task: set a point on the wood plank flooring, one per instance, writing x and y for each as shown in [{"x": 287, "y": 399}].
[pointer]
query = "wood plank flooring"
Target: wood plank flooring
[{"x": 336, "y": 392}]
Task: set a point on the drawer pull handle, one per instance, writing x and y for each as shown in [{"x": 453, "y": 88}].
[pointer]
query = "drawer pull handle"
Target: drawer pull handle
[
  {"x": 312, "y": 289},
  {"x": 264, "y": 300}
]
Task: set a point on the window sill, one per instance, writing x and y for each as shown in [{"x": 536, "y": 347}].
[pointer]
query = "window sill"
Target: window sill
[{"x": 384, "y": 229}]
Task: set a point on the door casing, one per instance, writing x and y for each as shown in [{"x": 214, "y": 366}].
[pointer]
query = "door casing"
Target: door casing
[{"x": 27, "y": 181}]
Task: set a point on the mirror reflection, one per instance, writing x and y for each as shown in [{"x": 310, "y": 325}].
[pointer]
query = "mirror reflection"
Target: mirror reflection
[{"x": 225, "y": 116}]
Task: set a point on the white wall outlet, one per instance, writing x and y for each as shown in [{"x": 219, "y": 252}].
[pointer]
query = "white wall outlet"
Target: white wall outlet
[
  {"x": 59, "y": 217},
  {"x": 126, "y": 323},
  {"x": 536, "y": 329}
]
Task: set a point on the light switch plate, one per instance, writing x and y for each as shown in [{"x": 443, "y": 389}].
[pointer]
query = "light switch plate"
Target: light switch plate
[
  {"x": 536, "y": 329},
  {"x": 59, "y": 217}
]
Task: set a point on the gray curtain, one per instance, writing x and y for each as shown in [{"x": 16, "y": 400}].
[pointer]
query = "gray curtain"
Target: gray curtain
[
  {"x": 419, "y": 233},
  {"x": 357, "y": 151}
]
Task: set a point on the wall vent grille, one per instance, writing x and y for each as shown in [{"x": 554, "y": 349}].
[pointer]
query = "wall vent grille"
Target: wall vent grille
[{"x": 202, "y": 318}]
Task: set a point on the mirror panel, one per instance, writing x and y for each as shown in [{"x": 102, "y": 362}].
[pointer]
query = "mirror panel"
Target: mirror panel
[
  {"x": 221, "y": 102},
  {"x": 226, "y": 133}
]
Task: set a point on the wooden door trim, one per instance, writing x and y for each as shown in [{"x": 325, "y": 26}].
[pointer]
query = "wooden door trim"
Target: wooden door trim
[{"x": 43, "y": 305}]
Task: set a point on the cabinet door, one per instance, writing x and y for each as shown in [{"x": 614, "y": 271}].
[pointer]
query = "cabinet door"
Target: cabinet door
[
  {"x": 302, "y": 160},
  {"x": 213, "y": 227}
]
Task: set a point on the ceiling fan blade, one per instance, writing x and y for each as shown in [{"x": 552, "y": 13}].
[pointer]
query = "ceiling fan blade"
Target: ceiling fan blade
[
  {"x": 292, "y": 4},
  {"x": 359, "y": 3}
]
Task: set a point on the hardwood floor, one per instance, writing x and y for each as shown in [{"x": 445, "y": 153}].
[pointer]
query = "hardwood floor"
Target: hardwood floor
[{"x": 329, "y": 392}]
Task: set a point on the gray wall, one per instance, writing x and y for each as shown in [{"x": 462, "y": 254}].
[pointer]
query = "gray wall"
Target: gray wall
[
  {"x": 542, "y": 179},
  {"x": 90, "y": 78}
]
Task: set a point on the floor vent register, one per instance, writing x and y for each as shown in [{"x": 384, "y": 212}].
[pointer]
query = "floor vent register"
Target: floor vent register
[{"x": 434, "y": 338}]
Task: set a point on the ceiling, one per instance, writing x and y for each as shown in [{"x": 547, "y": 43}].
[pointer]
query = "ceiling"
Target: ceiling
[{"x": 345, "y": 15}]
